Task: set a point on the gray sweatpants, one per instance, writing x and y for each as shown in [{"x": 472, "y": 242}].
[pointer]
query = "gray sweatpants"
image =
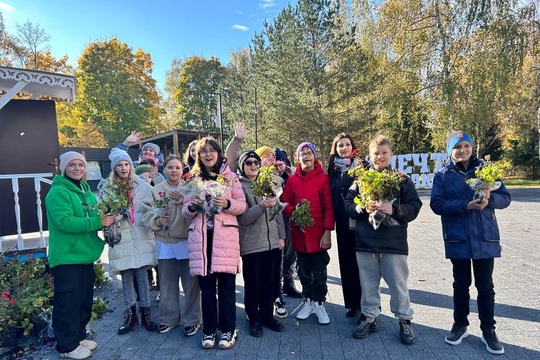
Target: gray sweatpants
[
  {"x": 170, "y": 312},
  {"x": 395, "y": 272}
]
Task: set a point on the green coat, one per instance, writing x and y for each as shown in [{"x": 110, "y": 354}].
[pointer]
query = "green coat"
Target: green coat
[{"x": 73, "y": 224}]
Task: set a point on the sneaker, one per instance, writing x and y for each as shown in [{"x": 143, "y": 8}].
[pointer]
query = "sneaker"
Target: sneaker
[
  {"x": 352, "y": 313},
  {"x": 364, "y": 328},
  {"x": 320, "y": 311},
  {"x": 79, "y": 353},
  {"x": 406, "y": 334},
  {"x": 280, "y": 312},
  {"x": 208, "y": 341},
  {"x": 307, "y": 309},
  {"x": 273, "y": 325},
  {"x": 191, "y": 330},
  {"x": 162, "y": 329},
  {"x": 493, "y": 345},
  {"x": 228, "y": 339},
  {"x": 457, "y": 334},
  {"x": 89, "y": 344}
]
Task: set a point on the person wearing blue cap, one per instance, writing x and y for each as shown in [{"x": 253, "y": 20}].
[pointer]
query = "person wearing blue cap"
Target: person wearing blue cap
[{"x": 471, "y": 237}]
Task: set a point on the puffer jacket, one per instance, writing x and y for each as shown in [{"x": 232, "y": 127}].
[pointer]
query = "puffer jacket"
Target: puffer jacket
[
  {"x": 468, "y": 234},
  {"x": 386, "y": 239},
  {"x": 257, "y": 232},
  {"x": 226, "y": 241},
  {"x": 73, "y": 224},
  {"x": 178, "y": 224},
  {"x": 137, "y": 248},
  {"x": 314, "y": 187}
]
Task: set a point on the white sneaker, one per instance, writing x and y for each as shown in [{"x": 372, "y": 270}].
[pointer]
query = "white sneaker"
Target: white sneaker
[
  {"x": 89, "y": 344},
  {"x": 307, "y": 309},
  {"x": 320, "y": 311},
  {"x": 79, "y": 353}
]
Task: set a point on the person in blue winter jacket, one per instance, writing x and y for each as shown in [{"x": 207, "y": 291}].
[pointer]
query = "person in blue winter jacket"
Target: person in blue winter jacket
[{"x": 471, "y": 236}]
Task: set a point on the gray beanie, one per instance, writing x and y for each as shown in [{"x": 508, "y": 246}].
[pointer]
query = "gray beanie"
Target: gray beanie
[
  {"x": 153, "y": 147},
  {"x": 118, "y": 155}
]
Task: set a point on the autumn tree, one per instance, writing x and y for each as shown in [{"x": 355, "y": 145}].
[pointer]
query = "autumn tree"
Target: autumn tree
[
  {"x": 116, "y": 93},
  {"x": 199, "y": 80}
]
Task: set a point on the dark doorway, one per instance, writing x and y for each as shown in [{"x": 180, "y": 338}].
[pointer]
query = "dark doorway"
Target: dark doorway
[{"x": 29, "y": 142}]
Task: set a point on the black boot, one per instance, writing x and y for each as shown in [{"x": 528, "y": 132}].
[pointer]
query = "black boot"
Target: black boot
[
  {"x": 146, "y": 320},
  {"x": 130, "y": 320},
  {"x": 290, "y": 290}
]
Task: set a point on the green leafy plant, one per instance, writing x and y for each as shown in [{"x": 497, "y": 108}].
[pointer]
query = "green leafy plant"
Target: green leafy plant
[
  {"x": 301, "y": 216},
  {"x": 374, "y": 185},
  {"x": 114, "y": 198},
  {"x": 99, "y": 271},
  {"x": 266, "y": 183},
  {"x": 26, "y": 290},
  {"x": 99, "y": 307}
]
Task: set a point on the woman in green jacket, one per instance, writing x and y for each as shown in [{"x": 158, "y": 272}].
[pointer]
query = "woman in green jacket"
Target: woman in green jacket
[{"x": 74, "y": 245}]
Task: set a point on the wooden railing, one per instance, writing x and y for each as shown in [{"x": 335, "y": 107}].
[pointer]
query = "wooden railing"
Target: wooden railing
[{"x": 38, "y": 179}]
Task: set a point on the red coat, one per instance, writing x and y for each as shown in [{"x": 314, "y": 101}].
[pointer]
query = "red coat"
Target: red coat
[{"x": 314, "y": 187}]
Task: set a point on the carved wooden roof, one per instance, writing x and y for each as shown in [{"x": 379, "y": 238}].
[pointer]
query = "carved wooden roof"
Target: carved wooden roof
[{"x": 39, "y": 85}]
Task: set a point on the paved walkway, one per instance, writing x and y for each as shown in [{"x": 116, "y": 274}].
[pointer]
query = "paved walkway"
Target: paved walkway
[{"x": 517, "y": 310}]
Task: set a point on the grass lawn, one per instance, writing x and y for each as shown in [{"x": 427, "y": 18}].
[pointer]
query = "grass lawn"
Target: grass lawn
[{"x": 521, "y": 183}]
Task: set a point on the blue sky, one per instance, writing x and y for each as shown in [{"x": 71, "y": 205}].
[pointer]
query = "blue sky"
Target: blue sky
[{"x": 167, "y": 29}]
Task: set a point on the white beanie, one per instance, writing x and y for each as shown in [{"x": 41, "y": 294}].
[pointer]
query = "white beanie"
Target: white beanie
[
  {"x": 118, "y": 155},
  {"x": 68, "y": 157}
]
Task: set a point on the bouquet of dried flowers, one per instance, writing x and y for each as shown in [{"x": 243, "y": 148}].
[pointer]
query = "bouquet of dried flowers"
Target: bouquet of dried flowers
[
  {"x": 486, "y": 177},
  {"x": 301, "y": 215},
  {"x": 378, "y": 187},
  {"x": 114, "y": 199}
]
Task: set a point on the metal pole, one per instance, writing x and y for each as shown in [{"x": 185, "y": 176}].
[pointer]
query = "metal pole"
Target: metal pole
[
  {"x": 220, "y": 121},
  {"x": 256, "y": 130},
  {"x": 538, "y": 117}
]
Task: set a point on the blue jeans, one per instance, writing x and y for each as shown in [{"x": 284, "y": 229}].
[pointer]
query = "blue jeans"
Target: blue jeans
[
  {"x": 129, "y": 289},
  {"x": 483, "y": 280},
  {"x": 395, "y": 272}
]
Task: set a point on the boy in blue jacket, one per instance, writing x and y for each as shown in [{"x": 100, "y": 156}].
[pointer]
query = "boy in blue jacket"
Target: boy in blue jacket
[{"x": 471, "y": 236}]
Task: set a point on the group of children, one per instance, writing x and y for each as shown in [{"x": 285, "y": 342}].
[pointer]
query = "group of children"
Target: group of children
[{"x": 201, "y": 239}]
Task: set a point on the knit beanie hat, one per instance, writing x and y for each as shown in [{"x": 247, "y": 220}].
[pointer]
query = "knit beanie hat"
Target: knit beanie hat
[
  {"x": 141, "y": 169},
  {"x": 263, "y": 150},
  {"x": 454, "y": 138},
  {"x": 280, "y": 155},
  {"x": 118, "y": 155},
  {"x": 69, "y": 156},
  {"x": 303, "y": 145},
  {"x": 153, "y": 147},
  {"x": 243, "y": 157}
]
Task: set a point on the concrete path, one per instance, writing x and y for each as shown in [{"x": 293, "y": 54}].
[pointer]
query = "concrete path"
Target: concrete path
[{"x": 517, "y": 311}]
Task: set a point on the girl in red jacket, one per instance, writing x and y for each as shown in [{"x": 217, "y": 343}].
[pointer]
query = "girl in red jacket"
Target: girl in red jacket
[{"x": 312, "y": 242}]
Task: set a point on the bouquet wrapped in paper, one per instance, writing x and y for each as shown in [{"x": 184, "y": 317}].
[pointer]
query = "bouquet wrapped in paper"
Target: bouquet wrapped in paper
[
  {"x": 486, "y": 178},
  {"x": 114, "y": 199},
  {"x": 301, "y": 215},
  {"x": 376, "y": 187},
  {"x": 266, "y": 186},
  {"x": 216, "y": 188}
]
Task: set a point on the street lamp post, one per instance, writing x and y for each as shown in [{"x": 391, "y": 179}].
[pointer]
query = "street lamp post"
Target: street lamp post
[
  {"x": 256, "y": 130},
  {"x": 220, "y": 119}
]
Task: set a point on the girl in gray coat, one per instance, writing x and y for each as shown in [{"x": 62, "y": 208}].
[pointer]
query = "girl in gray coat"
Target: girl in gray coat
[{"x": 260, "y": 240}]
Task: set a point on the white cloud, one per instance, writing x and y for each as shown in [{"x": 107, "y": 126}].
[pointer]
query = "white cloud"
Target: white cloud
[
  {"x": 6, "y": 8},
  {"x": 240, "y": 27},
  {"x": 239, "y": 12},
  {"x": 266, "y": 4}
]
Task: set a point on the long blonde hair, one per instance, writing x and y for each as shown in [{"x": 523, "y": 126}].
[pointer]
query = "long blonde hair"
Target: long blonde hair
[{"x": 113, "y": 176}]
